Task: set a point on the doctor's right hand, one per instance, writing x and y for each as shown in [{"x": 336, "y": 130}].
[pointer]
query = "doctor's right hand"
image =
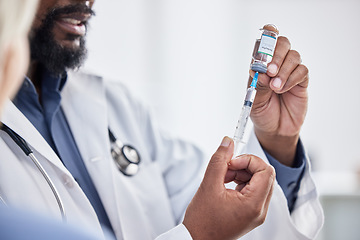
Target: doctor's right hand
[{"x": 216, "y": 212}]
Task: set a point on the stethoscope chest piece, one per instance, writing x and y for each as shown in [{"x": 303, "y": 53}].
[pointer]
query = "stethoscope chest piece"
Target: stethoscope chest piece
[{"x": 126, "y": 158}]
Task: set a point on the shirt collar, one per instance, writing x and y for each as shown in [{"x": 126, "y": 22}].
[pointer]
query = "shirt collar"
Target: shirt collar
[
  {"x": 27, "y": 86},
  {"x": 51, "y": 82}
]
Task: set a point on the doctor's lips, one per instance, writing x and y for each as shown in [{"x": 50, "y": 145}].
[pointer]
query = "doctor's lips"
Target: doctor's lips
[
  {"x": 70, "y": 19},
  {"x": 74, "y": 23}
]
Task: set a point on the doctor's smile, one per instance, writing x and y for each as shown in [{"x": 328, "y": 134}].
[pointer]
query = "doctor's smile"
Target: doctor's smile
[{"x": 74, "y": 23}]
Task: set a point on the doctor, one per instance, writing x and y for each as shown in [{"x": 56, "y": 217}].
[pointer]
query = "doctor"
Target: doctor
[
  {"x": 15, "y": 19},
  {"x": 65, "y": 118}
]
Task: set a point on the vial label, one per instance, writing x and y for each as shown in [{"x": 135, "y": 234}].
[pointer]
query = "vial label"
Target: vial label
[{"x": 267, "y": 45}]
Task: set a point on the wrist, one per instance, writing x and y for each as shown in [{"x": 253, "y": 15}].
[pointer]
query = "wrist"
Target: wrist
[{"x": 282, "y": 148}]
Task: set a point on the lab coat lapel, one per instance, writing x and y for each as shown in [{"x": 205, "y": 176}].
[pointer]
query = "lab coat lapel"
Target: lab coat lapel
[
  {"x": 15, "y": 120},
  {"x": 86, "y": 113}
]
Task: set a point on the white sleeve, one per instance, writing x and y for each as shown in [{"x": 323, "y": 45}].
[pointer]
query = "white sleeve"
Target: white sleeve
[
  {"x": 177, "y": 233},
  {"x": 182, "y": 165}
]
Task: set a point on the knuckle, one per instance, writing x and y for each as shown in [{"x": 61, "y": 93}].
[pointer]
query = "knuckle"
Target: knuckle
[
  {"x": 261, "y": 219},
  {"x": 271, "y": 172},
  {"x": 277, "y": 58},
  {"x": 304, "y": 70},
  {"x": 271, "y": 169},
  {"x": 284, "y": 41},
  {"x": 295, "y": 54},
  {"x": 256, "y": 211},
  {"x": 216, "y": 158},
  {"x": 262, "y": 85},
  {"x": 302, "y": 75}
]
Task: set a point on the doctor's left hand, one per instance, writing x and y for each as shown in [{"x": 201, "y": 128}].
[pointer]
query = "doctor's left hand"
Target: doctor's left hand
[
  {"x": 216, "y": 212},
  {"x": 280, "y": 105}
]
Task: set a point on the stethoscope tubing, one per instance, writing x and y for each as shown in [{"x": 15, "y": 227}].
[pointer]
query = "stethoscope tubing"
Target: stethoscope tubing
[
  {"x": 27, "y": 150},
  {"x": 51, "y": 185},
  {"x": 130, "y": 167}
]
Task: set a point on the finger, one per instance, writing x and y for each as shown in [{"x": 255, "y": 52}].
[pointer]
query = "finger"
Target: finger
[
  {"x": 264, "y": 93},
  {"x": 237, "y": 176},
  {"x": 271, "y": 27},
  {"x": 291, "y": 62},
  {"x": 260, "y": 186},
  {"x": 240, "y": 186},
  {"x": 218, "y": 164},
  {"x": 263, "y": 81},
  {"x": 267, "y": 201},
  {"x": 261, "y": 181},
  {"x": 282, "y": 48},
  {"x": 300, "y": 76},
  {"x": 241, "y": 182},
  {"x": 243, "y": 162}
]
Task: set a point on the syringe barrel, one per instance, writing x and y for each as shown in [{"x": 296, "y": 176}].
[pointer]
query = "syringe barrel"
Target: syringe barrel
[
  {"x": 241, "y": 124},
  {"x": 243, "y": 119},
  {"x": 250, "y": 96}
]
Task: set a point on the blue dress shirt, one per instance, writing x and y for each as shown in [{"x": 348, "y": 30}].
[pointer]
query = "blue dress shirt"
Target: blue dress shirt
[
  {"x": 48, "y": 118},
  {"x": 289, "y": 178}
]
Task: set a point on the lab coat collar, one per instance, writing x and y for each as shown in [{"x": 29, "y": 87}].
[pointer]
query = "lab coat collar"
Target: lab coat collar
[{"x": 15, "y": 120}]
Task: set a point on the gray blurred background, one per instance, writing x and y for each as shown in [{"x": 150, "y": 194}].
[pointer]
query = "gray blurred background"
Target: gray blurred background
[{"x": 188, "y": 60}]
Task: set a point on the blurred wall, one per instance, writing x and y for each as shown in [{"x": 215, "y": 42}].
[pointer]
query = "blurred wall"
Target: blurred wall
[{"x": 189, "y": 59}]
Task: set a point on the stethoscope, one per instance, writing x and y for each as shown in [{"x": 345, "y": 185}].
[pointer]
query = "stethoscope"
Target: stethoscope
[{"x": 126, "y": 158}]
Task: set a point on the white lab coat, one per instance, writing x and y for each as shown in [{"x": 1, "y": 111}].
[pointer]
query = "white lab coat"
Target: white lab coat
[{"x": 148, "y": 205}]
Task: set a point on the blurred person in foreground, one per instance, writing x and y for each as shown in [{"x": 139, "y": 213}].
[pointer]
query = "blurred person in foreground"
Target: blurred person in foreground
[
  {"x": 66, "y": 117},
  {"x": 16, "y": 17}
]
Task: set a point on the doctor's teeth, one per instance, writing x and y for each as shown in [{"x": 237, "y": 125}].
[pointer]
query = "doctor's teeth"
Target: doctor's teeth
[{"x": 71, "y": 21}]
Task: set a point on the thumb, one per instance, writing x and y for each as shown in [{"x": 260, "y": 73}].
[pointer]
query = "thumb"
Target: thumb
[{"x": 218, "y": 164}]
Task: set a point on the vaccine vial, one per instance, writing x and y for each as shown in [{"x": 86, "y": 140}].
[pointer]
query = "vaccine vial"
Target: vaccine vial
[{"x": 264, "y": 48}]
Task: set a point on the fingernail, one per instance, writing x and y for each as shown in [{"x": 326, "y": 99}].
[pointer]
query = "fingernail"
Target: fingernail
[
  {"x": 276, "y": 83},
  {"x": 272, "y": 68},
  {"x": 240, "y": 156},
  {"x": 225, "y": 142}
]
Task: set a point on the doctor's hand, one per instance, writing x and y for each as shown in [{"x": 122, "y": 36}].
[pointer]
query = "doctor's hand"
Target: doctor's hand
[
  {"x": 216, "y": 212},
  {"x": 281, "y": 101}
]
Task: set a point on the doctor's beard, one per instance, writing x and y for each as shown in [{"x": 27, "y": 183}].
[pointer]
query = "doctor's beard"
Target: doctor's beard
[{"x": 44, "y": 48}]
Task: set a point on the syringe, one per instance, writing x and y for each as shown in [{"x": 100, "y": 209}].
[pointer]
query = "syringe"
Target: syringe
[{"x": 239, "y": 140}]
